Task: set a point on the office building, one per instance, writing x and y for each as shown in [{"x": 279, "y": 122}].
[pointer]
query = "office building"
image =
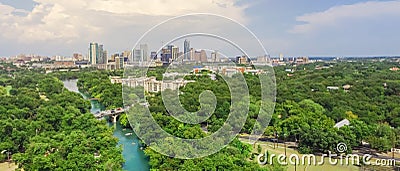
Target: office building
[
  {"x": 100, "y": 59},
  {"x": 113, "y": 56},
  {"x": 166, "y": 54},
  {"x": 77, "y": 57},
  {"x": 242, "y": 60},
  {"x": 153, "y": 55},
  {"x": 192, "y": 52},
  {"x": 186, "y": 50},
  {"x": 119, "y": 63},
  {"x": 215, "y": 56},
  {"x": 200, "y": 56},
  {"x": 93, "y": 53},
  {"x": 145, "y": 52},
  {"x": 96, "y": 54},
  {"x": 141, "y": 54},
  {"x": 126, "y": 53},
  {"x": 174, "y": 53},
  {"x": 137, "y": 55}
]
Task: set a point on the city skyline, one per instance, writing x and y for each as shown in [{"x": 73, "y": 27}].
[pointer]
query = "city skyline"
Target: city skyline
[{"x": 300, "y": 28}]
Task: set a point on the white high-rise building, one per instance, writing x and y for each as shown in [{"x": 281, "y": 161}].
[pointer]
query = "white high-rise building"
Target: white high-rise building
[
  {"x": 144, "y": 52},
  {"x": 137, "y": 55},
  {"x": 215, "y": 56},
  {"x": 96, "y": 54},
  {"x": 93, "y": 53},
  {"x": 175, "y": 53},
  {"x": 141, "y": 54}
]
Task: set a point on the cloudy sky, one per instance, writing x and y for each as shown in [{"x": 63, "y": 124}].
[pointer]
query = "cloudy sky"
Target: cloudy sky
[{"x": 293, "y": 28}]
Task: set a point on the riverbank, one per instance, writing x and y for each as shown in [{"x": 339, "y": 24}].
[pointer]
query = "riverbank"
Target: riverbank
[{"x": 135, "y": 159}]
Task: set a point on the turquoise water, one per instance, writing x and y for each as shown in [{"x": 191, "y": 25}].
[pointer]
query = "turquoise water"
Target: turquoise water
[
  {"x": 134, "y": 156},
  {"x": 135, "y": 159}
]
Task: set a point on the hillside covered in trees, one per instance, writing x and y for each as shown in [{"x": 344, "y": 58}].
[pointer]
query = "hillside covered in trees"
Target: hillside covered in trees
[
  {"x": 46, "y": 127},
  {"x": 50, "y": 123}
]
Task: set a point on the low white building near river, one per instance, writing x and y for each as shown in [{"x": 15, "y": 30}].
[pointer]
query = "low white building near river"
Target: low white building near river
[{"x": 151, "y": 84}]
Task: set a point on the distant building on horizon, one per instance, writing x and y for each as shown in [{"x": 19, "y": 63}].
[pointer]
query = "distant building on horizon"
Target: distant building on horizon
[
  {"x": 174, "y": 53},
  {"x": 153, "y": 55},
  {"x": 126, "y": 54},
  {"x": 191, "y": 52},
  {"x": 186, "y": 50},
  {"x": 166, "y": 54},
  {"x": 242, "y": 60},
  {"x": 215, "y": 56},
  {"x": 119, "y": 63},
  {"x": 281, "y": 56},
  {"x": 302, "y": 60},
  {"x": 141, "y": 54},
  {"x": 200, "y": 56},
  {"x": 77, "y": 57},
  {"x": 96, "y": 54}
]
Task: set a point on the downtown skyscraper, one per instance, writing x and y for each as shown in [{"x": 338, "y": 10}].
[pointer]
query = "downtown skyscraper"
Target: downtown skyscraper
[
  {"x": 97, "y": 55},
  {"x": 141, "y": 54},
  {"x": 186, "y": 50}
]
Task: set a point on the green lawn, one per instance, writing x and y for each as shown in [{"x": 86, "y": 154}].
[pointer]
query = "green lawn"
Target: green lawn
[
  {"x": 7, "y": 167},
  {"x": 325, "y": 167}
]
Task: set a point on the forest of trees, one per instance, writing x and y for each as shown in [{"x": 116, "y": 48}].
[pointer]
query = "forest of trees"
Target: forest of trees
[
  {"x": 233, "y": 157},
  {"x": 46, "y": 127},
  {"x": 97, "y": 84},
  {"x": 305, "y": 110},
  {"x": 367, "y": 94}
]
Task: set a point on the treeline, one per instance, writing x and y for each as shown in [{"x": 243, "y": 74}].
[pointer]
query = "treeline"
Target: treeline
[
  {"x": 46, "y": 127},
  {"x": 98, "y": 85},
  {"x": 367, "y": 94},
  {"x": 373, "y": 94}
]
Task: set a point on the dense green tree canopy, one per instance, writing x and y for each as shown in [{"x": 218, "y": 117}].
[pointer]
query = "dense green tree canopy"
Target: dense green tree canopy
[{"x": 46, "y": 127}]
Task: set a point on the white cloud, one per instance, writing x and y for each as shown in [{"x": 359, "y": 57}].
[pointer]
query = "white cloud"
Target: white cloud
[
  {"x": 45, "y": 22},
  {"x": 5, "y": 9},
  {"x": 68, "y": 21},
  {"x": 337, "y": 15}
]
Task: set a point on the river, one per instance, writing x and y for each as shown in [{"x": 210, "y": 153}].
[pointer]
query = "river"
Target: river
[{"x": 135, "y": 159}]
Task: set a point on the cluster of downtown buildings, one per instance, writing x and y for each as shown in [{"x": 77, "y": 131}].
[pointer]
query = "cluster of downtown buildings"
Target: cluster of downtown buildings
[
  {"x": 98, "y": 57},
  {"x": 142, "y": 56}
]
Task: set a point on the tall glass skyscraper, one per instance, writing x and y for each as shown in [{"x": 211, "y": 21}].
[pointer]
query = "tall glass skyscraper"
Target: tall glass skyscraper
[
  {"x": 93, "y": 53},
  {"x": 96, "y": 54},
  {"x": 141, "y": 54},
  {"x": 186, "y": 50}
]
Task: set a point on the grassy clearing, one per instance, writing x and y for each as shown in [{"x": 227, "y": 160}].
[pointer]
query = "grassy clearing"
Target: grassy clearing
[{"x": 6, "y": 167}]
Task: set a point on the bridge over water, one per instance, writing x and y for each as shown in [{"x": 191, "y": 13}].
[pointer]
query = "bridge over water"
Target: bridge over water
[{"x": 114, "y": 113}]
